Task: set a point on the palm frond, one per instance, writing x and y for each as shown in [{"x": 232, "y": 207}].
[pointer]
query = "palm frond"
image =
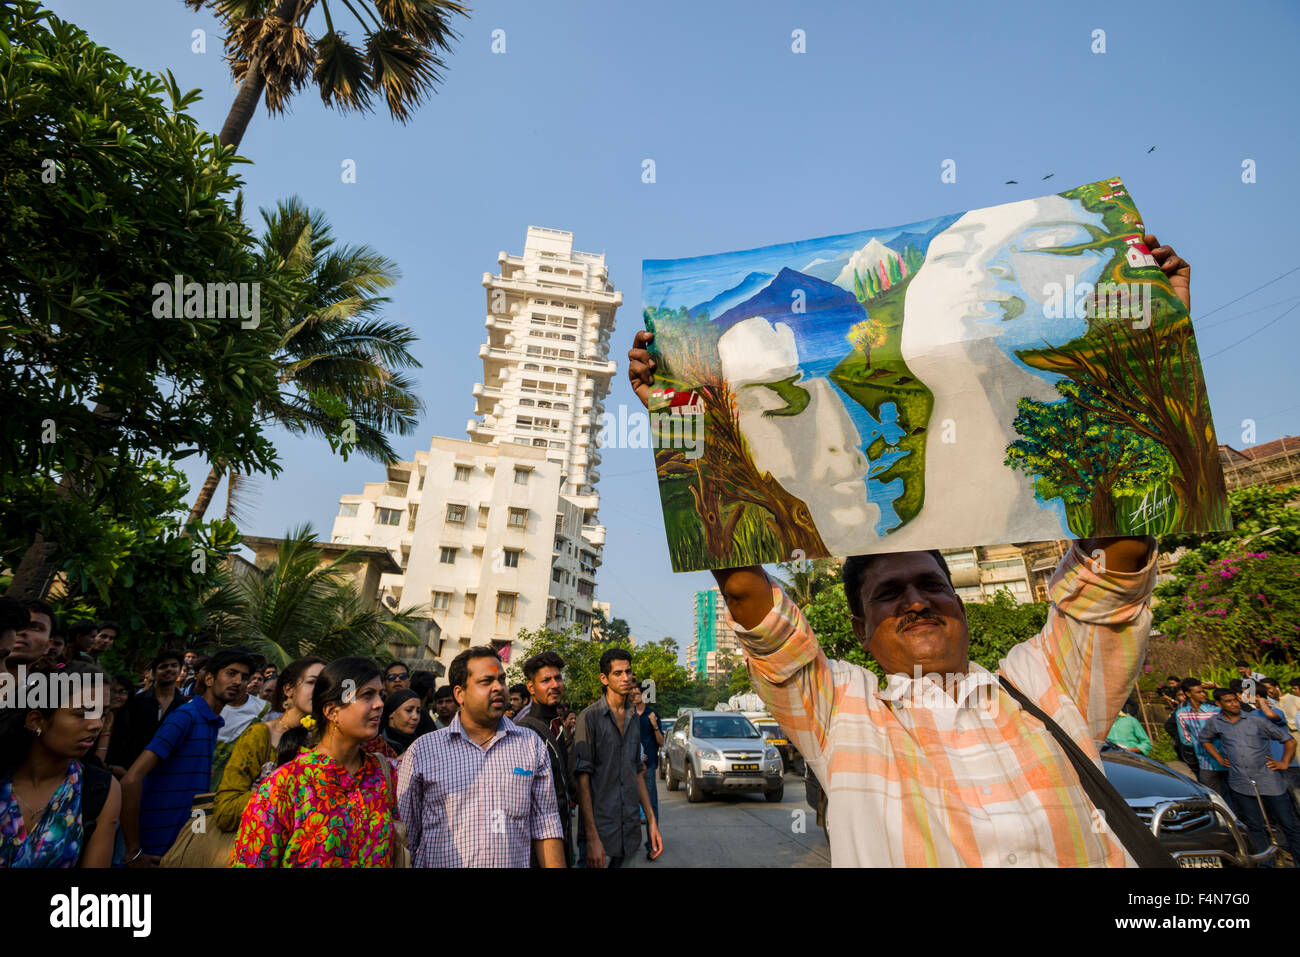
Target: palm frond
[
  {"x": 402, "y": 69},
  {"x": 342, "y": 74}
]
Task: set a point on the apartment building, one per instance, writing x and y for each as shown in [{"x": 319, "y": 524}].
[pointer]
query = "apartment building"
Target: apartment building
[{"x": 715, "y": 638}]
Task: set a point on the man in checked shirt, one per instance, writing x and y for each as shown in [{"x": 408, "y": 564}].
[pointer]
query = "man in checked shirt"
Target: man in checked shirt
[{"x": 952, "y": 773}]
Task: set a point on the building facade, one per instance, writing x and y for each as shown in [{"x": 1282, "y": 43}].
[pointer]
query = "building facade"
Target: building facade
[
  {"x": 500, "y": 533},
  {"x": 715, "y": 637}
]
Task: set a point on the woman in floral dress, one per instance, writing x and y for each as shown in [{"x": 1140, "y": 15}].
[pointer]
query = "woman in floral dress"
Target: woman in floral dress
[{"x": 334, "y": 806}]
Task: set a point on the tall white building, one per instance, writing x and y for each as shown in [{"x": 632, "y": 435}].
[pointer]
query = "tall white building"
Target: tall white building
[{"x": 500, "y": 533}]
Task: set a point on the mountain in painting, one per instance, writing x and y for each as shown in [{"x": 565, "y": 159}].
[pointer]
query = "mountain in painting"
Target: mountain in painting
[
  {"x": 734, "y": 296},
  {"x": 820, "y": 329}
]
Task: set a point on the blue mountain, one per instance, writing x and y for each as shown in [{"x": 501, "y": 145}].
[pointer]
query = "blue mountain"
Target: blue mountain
[
  {"x": 921, "y": 240},
  {"x": 733, "y": 296},
  {"x": 820, "y": 331}
]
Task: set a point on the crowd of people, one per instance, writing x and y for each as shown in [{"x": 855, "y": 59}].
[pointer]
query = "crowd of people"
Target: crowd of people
[{"x": 225, "y": 760}]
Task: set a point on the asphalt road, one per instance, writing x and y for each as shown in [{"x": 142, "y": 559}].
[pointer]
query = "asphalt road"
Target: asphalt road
[{"x": 739, "y": 830}]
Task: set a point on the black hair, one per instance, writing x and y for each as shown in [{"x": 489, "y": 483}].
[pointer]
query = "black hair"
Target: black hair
[
  {"x": 521, "y": 690},
  {"x": 289, "y": 677},
  {"x": 1270, "y": 681},
  {"x": 1242, "y": 663},
  {"x": 1236, "y": 685},
  {"x": 40, "y": 608},
  {"x": 110, "y": 625},
  {"x": 1189, "y": 683},
  {"x": 391, "y": 664},
  {"x": 458, "y": 673},
  {"x": 222, "y": 660},
  {"x": 335, "y": 680},
  {"x": 1221, "y": 693},
  {"x": 167, "y": 654},
  {"x": 79, "y": 631},
  {"x": 543, "y": 659},
  {"x": 612, "y": 655},
  {"x": 15, "y": 739},
  {"x": 125, "y": 681},
  {"x": 13, "y": 616},
  {"x": 1173, "y": 678},
  {"x": 855, "y": 570},
  {"x": 422, "y": 683},
  {"x": 443, "y": 692}
]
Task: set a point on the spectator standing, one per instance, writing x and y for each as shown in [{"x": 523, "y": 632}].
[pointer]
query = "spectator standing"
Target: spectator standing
[
  {"x": 31, "y": 642},
  {"x": 396, "y": 677},
  {"x": 116, "y": 727},
  {"x": 1240, "y": 743},
  {"x": 159, "y": 788},
  {"x": 159, "y": 699},
  {"x": 13, "y": 617},
  {"x": 58, "y": 646},
  {"x": 335, "y": 805},
  {"x": 1127, "y": 732},
  {"x": 544, "y": 679},
  {"x": 107, "y": 633},
  {"x": 400, "y": 719},
  {"x": 237, "y": 716},
  {"x": 609, "y": 771},
  {"x": 56, "y": 809},
  {"x": 423, "y": 683},
  {"x": 1191, "y": 717},
  {"x": 444, "y": 706},
  {"x": 518, "y": 700},
  {"x": 651, "y": 740},
  {"x": 479, "y": 792},
  {"x": 258, "y": 752}
]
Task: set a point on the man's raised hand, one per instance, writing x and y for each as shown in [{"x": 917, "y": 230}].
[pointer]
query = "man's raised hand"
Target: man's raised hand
[
  {"x": 641, "y": 367},
  {"x": 1174, "y": 267}
]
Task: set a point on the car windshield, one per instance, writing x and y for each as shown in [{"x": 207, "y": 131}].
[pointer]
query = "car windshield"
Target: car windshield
[
  {"x": 724, "y": 728},
  {"x": 770, "y": 732},
  {"x": 666, "y": 724}
]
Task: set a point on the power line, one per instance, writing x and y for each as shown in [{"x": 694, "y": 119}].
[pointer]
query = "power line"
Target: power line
[
  {"x": 1251, "y": 335},
  {"x": 1242, "y": 315},
  {"x": 1251, "y": 293}
]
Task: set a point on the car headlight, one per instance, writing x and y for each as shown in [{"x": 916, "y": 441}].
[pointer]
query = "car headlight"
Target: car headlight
[
  {"x": 771, "y": 753},
  {"x": 708, "y": 754}
]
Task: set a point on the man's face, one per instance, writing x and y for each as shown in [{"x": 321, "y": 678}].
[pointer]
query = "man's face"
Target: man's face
[
  {"x": 571, "y": 721},
  {"x": 56, "y": 646},
  {"x": 32, "y": 641},
  {"x": 1196, "y": 696},
  {"x": 1171, "y": 683},
  {"x": 396, "y": 678},
  {"x": 1181, "y": 697},
  {"x": 1231, "y": 704},
  {"x": 445, "y": 707},
  {"x": 103, "y": 641},
  {"x": 516, "y": 702},
  {"x": 620, "y": 678},
  {"x": 189, "y": 659},
  {"x": 167, "y": 673},
  {"x": 634, "y": 696},
  {"x": 483, "y": 698},
  {"x": 547, "y": 686},
  {"x": 1243, "y": 670},
  {"x": 912, "y": 617},
  {"x": 255, "y": 683},
  {"x": 229, "y": 682}
]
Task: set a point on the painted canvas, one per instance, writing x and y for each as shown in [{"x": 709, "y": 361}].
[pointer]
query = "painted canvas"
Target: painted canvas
[{"x": 1017, "y": 373}]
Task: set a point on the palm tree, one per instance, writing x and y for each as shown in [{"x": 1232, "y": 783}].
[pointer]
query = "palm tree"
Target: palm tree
[
  {"x": 803, "y": 580},
  {"x": 338, "y": 362},
  {"x": 271, "y": 50},
  {"x": 300, "y": 606}
]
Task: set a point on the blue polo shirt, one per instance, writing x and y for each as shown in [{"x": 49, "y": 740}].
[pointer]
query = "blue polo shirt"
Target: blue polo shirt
[{"x": 184, "y": 743}]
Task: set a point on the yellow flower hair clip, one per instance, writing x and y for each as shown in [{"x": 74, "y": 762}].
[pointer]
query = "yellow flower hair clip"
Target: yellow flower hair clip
[{"x": 309, "y": 722}]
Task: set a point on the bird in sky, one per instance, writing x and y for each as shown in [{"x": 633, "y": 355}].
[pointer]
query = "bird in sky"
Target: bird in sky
[
  {"x": 1152, "y": 150},
  {"x": 1049, "y": 176},
  {"x": 1011, "y": 182}
]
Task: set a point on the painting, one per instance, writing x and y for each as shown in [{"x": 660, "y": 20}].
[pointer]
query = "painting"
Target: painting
[{"x": 1017, "y": 373}]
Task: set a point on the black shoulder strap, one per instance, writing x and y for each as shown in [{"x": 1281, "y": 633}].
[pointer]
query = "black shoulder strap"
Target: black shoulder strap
[{"x": 1127, "y": 827}]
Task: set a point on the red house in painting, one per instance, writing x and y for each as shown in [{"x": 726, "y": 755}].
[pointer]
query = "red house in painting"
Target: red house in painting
[
  {"x": 1138, "y": 255},
  {"x": 677, "y": 401}
]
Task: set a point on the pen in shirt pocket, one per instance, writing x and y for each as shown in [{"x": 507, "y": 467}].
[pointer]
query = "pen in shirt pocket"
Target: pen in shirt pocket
[{"x": 524, "y": 771}]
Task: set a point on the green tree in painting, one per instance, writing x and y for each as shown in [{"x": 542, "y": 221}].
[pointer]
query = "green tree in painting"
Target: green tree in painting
[
  {"x": 913, "y": 258},
  {"x": 1084, "y": 460},
  {"x": 867, "y": 335}
]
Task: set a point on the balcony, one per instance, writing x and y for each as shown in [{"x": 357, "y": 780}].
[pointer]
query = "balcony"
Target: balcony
[{"x": 594, "y": 534}]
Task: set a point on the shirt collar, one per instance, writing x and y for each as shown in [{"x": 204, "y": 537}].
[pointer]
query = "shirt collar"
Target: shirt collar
[
  {"x": 928, "y": 691},
  {"x": 206, "y": 713},
  {"x": 504, "y": 728}
]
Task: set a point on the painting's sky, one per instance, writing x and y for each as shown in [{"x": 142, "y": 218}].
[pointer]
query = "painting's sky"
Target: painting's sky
[{"x": 754, "y": 144}]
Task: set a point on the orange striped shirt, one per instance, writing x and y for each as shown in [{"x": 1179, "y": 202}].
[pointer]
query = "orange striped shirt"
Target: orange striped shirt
[{"x": 916, "y": 777}]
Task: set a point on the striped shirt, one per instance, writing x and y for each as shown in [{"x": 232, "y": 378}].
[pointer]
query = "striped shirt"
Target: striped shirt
[
  {"x": 1190, "y": 722},
  {"x": 471, "y": 806},
  {"x": 916, "y": 777},
  {"x": 184, "y": 744}
]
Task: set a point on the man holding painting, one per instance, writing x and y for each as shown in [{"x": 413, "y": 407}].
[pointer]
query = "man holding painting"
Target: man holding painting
[{"x": 948, "y": 764}]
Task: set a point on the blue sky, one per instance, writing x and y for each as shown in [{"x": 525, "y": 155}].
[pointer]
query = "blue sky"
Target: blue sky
[{"x": 753, "y": 145}]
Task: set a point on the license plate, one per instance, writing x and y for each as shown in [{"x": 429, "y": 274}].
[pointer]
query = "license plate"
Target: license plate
[
  {"x": 1200, "y": 862},
  {"x": 779, "y": 742},
  {"x": 744, "y": 767}
]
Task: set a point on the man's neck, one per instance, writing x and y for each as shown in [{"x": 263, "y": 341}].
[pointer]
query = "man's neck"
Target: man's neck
[
  {"x": 615, "y": 700},
  {"x": 163, "y": 691},
  {"x": 213, "y": 702},
  {"x": 480, "y": 734},
  {"x": 542, "y": 710}
]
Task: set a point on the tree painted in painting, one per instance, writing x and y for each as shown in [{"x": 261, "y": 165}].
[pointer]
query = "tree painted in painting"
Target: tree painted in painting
[
  {"x": 867, "y": 335},
  {"x": 1084, "y": 460}
]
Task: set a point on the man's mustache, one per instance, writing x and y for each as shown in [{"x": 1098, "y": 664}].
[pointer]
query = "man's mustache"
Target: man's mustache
[{"x": 910, "y": 620}]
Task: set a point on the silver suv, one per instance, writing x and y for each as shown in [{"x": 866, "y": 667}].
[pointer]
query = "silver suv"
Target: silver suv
[{"x": 721, "y": 751}]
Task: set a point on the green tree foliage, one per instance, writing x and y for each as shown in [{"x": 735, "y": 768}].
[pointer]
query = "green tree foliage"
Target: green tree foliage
[
  {"x": 805, "y": 580},
  {"x": 1085, "y": 461},
  {"x": 652, "y": 661},
  {"x": 109, "y": 188},
  {"x": 302, "y": 605},
  {"x": 616, "y": 631}
]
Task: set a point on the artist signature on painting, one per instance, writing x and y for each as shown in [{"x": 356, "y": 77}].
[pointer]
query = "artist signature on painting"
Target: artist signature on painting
[{"x": 1152, "y": 506}]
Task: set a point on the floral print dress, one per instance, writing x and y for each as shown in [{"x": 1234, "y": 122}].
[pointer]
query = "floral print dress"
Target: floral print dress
[
  {"x": 56, "y": 839},
  {"x": 313, "y": 813}
]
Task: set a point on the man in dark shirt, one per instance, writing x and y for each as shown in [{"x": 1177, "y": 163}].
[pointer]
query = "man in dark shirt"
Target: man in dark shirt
[
  {"x": 544, "y": 674},
  {"x": 651, "y": 739},
  {"x": 147, "y": 710},
  {"x": 609, "y": 771},
  {"x": 1240, "y": 743}
]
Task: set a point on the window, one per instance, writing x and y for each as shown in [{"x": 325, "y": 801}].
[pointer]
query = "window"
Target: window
[
  {"x": 420, "y": 486},
  {"x": 341, "y": 540},
  {"x": 406, "y": 557},
  {"x": 506, "y": 603},
  {"x": 456, "y": 513},
  {"x": 447, "y": 555},
  {"x": 969, "y": 593},
  {"x": 348, "y": 511},
  {"x": 471, "y": 602},
  {"x": 441, "y": 600},
  {"x": 518, "y": 517},
  {"x": 586, "y": 588},
  {"x": 410, "y": 522},
  {"x": 510, "y": 557},
  {"x": 521, "y": 476},
  {"x": 462, "y": 473},
  {"x": 555, "y": 575},
  {"x": 559, "y": 524},
  {"x": 482, "y": 516},
  {"x": 388, "y": 516}
]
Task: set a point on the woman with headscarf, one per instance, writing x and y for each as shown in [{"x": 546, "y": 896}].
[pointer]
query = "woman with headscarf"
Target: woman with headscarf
[{"x": 401, "y": 719}]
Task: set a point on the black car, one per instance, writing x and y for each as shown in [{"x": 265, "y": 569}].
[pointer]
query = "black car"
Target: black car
[{"x": 1195, "y": 824}]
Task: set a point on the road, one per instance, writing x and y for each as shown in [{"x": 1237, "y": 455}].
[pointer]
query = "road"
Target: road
[{"x": 739, "y": 830}]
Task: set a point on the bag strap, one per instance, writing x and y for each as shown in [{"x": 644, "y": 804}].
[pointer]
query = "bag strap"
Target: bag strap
[{"x": 1144, "y": 847}]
